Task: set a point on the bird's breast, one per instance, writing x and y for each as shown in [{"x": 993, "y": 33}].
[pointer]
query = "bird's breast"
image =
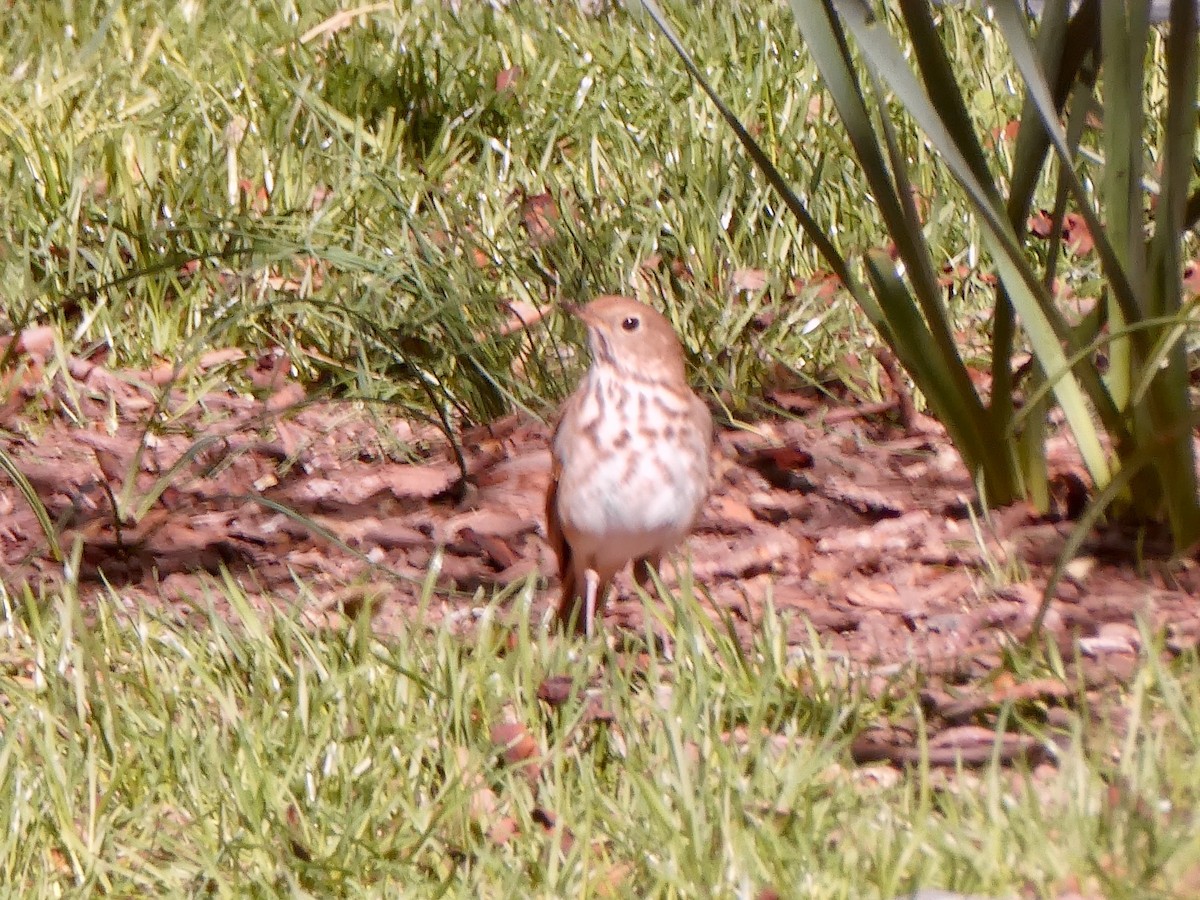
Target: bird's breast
[{"x": 634, "y": 466}]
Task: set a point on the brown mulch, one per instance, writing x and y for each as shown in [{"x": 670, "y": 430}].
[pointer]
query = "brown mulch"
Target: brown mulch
[{"x": 850, "y": 525}]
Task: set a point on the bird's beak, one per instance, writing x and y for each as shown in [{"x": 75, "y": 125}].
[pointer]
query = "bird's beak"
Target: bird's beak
[{"x": 580, "y": 312}]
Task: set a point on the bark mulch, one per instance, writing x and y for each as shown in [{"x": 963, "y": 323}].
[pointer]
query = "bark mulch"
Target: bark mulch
[{"x": 852, "y": 526}]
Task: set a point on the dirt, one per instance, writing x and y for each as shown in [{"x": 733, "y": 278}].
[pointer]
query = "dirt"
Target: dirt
[{"x": 854, "y": 527}]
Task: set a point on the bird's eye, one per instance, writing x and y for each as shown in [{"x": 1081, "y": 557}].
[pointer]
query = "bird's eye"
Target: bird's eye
[{"x": 631, "y": 323}]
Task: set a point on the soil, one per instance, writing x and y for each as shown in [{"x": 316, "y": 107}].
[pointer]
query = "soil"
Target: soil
[{"x": 857, "y": 529}]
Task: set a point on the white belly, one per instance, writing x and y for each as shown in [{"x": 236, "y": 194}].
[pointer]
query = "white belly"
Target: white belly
[{"x": 615, "y": 504}]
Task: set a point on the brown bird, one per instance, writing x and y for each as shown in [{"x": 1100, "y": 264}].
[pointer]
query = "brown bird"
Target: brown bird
[{"x": 631, "y": 457}]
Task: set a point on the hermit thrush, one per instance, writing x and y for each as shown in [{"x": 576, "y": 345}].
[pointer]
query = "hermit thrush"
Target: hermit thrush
[{"x": 631, "y": 463}]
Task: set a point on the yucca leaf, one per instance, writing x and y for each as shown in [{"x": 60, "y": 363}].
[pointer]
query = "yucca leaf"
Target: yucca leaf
[
  {"x": 937, "y": 377},
  {"x": 1009, "y": 19},
  {"x": 1133, "y": 465},
  {"x": 938, "y": 75},
  {"x": 893, "y": 195},
  {"x": 910, "y": 336},
  {"x": 1028, "y": 295},
  {"x": 1168, "y": 401}
]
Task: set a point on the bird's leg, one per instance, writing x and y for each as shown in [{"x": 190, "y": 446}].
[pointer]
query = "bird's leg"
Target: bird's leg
[
  {"x": 591, "y": 591},
  {"x": 644, "y": 568}
]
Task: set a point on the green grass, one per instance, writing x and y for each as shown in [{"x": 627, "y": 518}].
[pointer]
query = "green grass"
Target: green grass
[
  {"x": 143, "y": 756},
  {"x": 182, "y": 176},
  {"x": 257, "y": 757}
]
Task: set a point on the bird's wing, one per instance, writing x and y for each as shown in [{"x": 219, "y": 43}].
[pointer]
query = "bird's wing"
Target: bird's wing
[
  {"x": 704, "y": 416},
  {"x": 554, "y": 533}
]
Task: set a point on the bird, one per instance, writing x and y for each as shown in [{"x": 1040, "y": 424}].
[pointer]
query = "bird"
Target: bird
[{"x": 631, "y": 463}]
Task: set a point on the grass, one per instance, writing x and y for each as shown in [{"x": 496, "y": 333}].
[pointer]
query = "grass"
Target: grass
[
  {"x": 254, "y": 756},
  {"x": 356, "y": 198},
  {"x": 351, "y": 189},
  {"x": 184, "y": 176}
]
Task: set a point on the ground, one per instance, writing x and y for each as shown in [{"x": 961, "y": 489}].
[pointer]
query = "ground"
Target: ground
[{"x": 860, "y": 531}]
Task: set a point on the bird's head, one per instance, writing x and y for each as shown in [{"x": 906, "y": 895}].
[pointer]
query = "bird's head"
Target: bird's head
[{"x": 631, "y": 338}]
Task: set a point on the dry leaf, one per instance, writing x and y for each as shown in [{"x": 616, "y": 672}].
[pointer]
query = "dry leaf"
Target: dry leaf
[
  {"x": 539, "y": 215},
  {"x": 518, "y": 749},
  {"x": 507, "y": 79},
  {"x": 522, "y": 314},
  {"x": 747, "y": 281},
  {"x": 289, "y": 395},
  {"x": 214, "y": 358},
  {"x": 36, "y": 342},
  {"x": 1191, "y": 277},
  {"x": 1076, "y": 235},
  {"x": 1040, "y": 224}
]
